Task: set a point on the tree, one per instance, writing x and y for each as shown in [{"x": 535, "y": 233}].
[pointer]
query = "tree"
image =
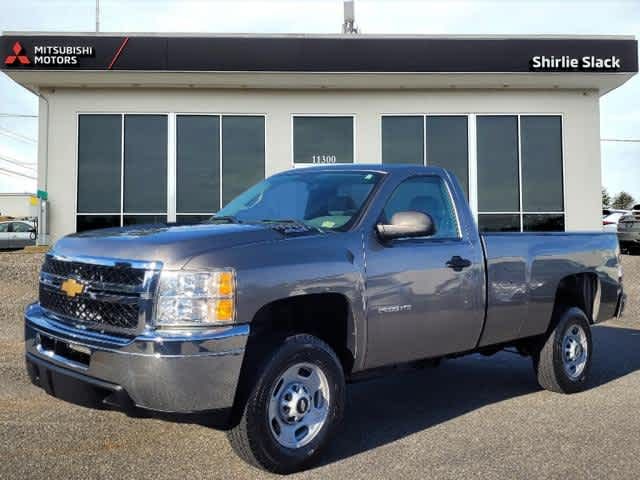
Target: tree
[
  {"x": 623, "y": 201},
  {"x": 606, "y": 198}
]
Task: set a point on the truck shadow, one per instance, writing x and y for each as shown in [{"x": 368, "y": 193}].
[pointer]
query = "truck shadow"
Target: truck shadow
[{"x": 390, "y": 408}]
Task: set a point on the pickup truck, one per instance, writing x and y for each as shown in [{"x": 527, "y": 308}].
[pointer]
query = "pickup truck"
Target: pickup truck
[{"x": 313, "y": 278}]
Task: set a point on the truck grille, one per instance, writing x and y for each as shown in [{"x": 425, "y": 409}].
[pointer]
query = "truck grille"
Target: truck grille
[
  {"x": 92, "y": 312},
  {"x": 94, "y": 273},
  {"x": 109, "y": 296}
]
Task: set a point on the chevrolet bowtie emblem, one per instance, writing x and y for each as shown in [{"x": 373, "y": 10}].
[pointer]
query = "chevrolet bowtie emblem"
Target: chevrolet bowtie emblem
[{"x": 71, "y": 287}]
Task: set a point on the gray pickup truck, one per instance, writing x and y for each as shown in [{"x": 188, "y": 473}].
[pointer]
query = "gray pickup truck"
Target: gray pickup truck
[{"x": 310, "y": 279}]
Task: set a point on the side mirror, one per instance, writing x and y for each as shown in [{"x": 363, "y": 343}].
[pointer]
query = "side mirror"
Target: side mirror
[{"x": 406, "y": 225}]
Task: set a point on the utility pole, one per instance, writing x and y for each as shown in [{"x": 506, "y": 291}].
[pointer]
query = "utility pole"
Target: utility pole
[
  {"x": 97, "y": 16},
  {"x": 349, "y": 25}
]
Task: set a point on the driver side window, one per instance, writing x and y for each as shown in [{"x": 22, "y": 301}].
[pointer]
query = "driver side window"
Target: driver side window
[{"x": 429, "y": 195}]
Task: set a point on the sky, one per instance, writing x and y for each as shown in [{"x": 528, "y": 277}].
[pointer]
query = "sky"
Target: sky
[{"x": 619, "y": 110}]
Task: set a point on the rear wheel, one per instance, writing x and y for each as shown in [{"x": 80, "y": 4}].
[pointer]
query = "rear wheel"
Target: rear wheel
[
  {"x": 563, "y": 361},
  {"x": 293, "y": 408}
]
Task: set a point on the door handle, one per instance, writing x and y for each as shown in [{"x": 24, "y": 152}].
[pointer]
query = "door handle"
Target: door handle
[{"x": 457, "y": 263}]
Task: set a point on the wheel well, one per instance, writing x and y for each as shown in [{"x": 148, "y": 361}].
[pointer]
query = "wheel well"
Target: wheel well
[
  {"x": 324, "y": 315},
  {"x": 581, "y": 290}
]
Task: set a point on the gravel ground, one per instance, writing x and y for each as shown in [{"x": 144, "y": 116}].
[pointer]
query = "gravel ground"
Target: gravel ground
[{"x": 473, "y": 417}]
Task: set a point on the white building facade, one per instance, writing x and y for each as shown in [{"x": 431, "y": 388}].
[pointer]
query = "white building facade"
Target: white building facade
[{"x": 147, "y": 129}]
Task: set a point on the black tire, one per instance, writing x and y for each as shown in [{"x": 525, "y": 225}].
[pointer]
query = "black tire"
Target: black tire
[
  {"x": 548, "y": 360},
  {"x": 252, "y": 438}
]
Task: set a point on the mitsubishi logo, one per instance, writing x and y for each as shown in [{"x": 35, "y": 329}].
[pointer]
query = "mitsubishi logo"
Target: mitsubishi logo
[{"x": 18, "y": 54}]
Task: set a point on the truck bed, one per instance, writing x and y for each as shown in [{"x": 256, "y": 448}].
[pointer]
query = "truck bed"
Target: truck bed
[{"x": 524, "y": 270}]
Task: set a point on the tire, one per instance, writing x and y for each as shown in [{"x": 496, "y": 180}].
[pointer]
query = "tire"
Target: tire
[
  {"x": 281, "y": 388},
  {"x": 563, "y": 361}
]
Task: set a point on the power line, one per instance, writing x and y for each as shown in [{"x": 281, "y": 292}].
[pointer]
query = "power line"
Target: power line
[
  {"x": 9, "y": 133},
  {"x": 17, "y": 174},
  {"x": 17, "y": 162},
  {"x": 17, "y": 115},
  {"x": 626, "y": 140}
]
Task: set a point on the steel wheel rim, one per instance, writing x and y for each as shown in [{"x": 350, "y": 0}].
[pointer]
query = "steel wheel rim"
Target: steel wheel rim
[
  {"x": 298, "y": 405},
  {"x": 575, "y": 351}
]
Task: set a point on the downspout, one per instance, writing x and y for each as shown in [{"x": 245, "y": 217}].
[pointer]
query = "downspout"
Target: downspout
[{"x": 43, "y": 210}]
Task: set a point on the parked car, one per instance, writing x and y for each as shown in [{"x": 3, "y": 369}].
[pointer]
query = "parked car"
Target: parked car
[
  {"x": 308, "y": 280},
  {"x": 17, "y": 234},
  {"x": 629, "y": 231},
  {"x": 611, "y": 217}
]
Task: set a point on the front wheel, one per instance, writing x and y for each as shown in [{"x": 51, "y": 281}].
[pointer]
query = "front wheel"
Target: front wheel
[
  {"x": 293, "y": 408},
  {"x": 563, "y": 361}
]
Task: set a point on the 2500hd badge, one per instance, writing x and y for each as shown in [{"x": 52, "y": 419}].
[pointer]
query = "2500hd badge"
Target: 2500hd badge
[{"x": 265, "y": 312}]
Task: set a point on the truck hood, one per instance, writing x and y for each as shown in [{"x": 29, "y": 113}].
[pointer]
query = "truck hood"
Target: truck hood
[{"x": 174, "y": 245}]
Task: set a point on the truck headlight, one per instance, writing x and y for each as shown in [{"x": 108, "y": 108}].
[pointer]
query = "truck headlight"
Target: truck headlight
[{"x": 196, "y": 298}]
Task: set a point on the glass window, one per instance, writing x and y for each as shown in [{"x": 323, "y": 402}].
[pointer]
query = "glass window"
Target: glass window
[
  {"x": 145, "y": 163},
  {"x": 499, "y": 222},
  {"x": 403, "y": 139},
  {"x": 498, "y": 176},
  {"x": 94, "y": 222},
  {"x": 541, "y": 138},
  {"x": 426, "y": 194},
  {"x": 197, "y": 163},
  {"x": 448, "y": 146},
  {"x": 243, "y": 153},
  {"x": 4, "y": 227},
  {"x": 327, "y": 200},
  {"x": 543, "y": 223},
  {"x": 19, "y": 227},
  {"x": 144, "y": 219},
  {"x": 99, "y": 153},
  {"x": 322, "y": 140}
]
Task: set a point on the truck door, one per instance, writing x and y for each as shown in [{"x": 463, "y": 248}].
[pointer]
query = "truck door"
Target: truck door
[{"x": 425, "y": 296}]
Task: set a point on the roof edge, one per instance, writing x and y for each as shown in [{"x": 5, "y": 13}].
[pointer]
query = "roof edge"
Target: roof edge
[{"x": 322, "y": 35}]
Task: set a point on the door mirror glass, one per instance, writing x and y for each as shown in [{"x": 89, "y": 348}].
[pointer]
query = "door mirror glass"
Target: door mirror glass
[{"x": 407, "y": 224}]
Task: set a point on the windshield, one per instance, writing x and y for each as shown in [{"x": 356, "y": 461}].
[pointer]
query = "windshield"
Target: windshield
[{"x": 326, "y": 200}]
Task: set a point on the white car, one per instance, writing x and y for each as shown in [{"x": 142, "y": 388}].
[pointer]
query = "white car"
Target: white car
[
  {"x": 17, "y": 234},
  {"x": 611, "y": 217}
]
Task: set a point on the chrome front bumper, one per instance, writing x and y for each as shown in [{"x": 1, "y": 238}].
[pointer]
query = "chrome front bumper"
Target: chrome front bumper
[{"x": 182, "y": 372}]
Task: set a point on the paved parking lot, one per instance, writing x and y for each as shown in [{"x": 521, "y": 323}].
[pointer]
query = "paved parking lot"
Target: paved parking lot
[{"x": 474, "y": 417}]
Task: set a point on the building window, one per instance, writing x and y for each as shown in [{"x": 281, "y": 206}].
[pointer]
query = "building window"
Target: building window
[
  {"x": 217, "y": 158},
  {"x": 197, "y": 164},
  {"x": 145, "y": 165},
  {"x": 124, "y": 174},
  {"x": 243, "y": 154},
  {"x": 324, "y": 139},
  {"x": 520, "y": 177},
  {"x": 448, "y": 146},
  {"x": 99, "y": 164},
  {"x": 122, "y": 170},
  {"x": 438, "y": 140},
  {"x": 403, "y": 139},
  {"x": 541, "y": 138}
]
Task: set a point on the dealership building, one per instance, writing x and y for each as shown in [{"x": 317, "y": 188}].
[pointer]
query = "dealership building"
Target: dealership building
[{"x": 153, "y": 128}]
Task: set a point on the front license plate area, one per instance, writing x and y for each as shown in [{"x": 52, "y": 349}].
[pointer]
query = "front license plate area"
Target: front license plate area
[{"x": 54, "y": 347}]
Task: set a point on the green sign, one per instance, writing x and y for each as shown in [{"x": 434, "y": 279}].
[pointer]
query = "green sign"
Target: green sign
[{"x": 42, "y": 194}]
